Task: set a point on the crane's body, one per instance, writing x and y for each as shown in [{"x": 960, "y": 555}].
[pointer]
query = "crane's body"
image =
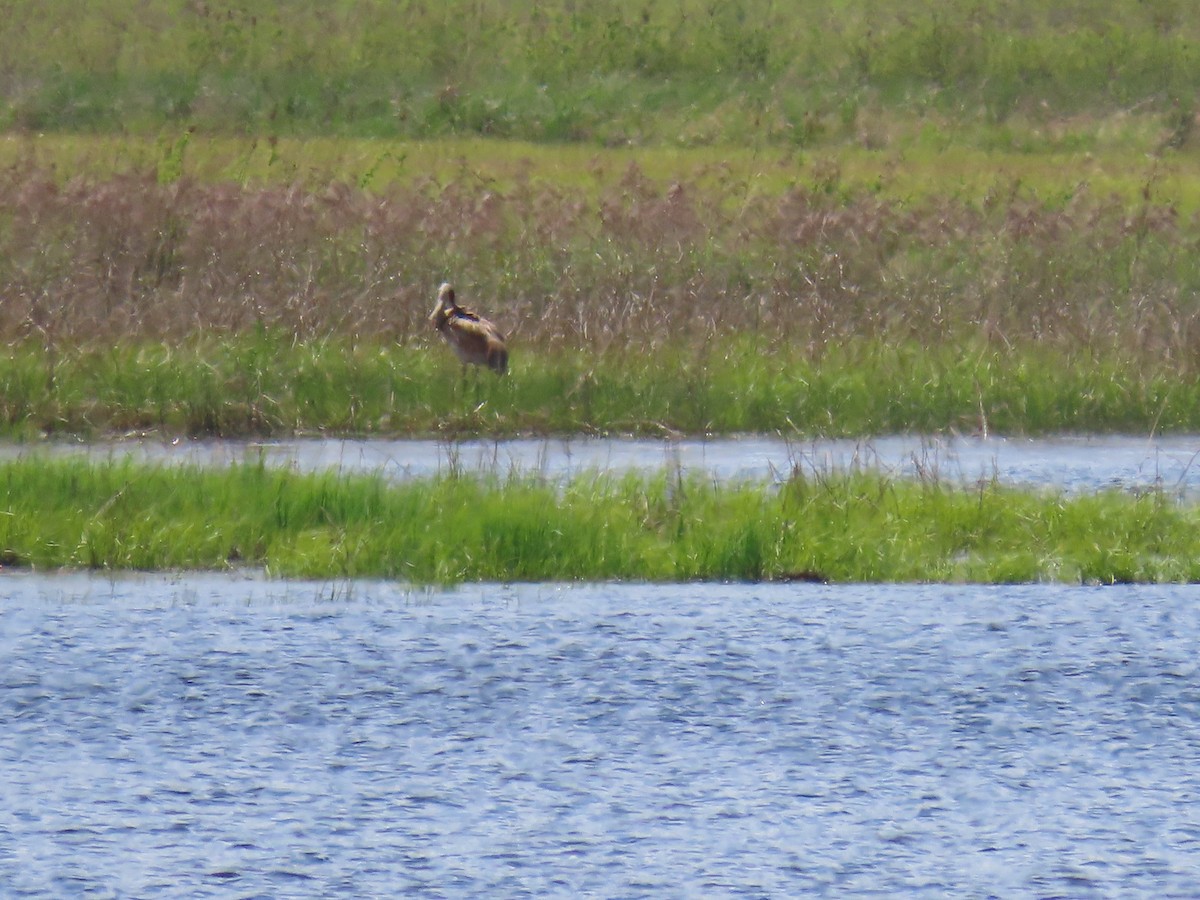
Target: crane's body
[{"x": 474, "y": 339}]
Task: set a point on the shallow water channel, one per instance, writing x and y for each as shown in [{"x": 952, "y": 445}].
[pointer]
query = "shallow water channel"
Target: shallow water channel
[
  {"x": 228, "y": 735},
  {"x": 222, "y": 735},
  {"x": 1084, "y": 463}
]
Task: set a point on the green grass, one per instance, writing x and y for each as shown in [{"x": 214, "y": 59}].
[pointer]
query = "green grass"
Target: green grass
[
  {"x": 265, "y": 384},
  {"x": 1015, "y": 74},
  {"x": 852, "y": 526}
]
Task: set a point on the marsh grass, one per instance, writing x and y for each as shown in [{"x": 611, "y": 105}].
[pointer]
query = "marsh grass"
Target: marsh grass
[{"x": 840, "y": 526}]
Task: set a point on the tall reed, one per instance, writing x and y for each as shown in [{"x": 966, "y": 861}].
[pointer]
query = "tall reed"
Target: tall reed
[{"x": 133, "y": 303}]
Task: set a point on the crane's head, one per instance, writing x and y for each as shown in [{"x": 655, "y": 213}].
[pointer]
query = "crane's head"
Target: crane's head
[{"x": 445, "y": 302}]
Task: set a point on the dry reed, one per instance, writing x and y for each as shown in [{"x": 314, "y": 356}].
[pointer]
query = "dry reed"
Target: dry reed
[{"x": 627, "y": 265}]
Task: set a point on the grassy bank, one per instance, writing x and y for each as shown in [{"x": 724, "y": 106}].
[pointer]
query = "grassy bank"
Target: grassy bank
[
  {"x": 1015, "y": 74},
  {"x": 265, "y": 384},
  {"x": 841, "y": 527}
]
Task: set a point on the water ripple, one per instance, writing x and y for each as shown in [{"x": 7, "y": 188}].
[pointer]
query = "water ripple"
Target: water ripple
[{"x": 208, "y": 735}]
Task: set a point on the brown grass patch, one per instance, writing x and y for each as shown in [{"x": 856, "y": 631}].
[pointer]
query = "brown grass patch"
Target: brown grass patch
[{"x": 648, "y": 262}]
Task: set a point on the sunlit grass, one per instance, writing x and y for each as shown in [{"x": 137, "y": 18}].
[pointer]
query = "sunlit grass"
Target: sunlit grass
[
  {"x": 839, "y": 526},
  {"x": 926, "y": 170},
  {"x": 830, "y": 219}
]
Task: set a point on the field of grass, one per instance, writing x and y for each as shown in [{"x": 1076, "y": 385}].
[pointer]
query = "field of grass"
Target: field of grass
[
  {"x": 991, "y": 73},
  {"x": 842, "y": 527},
  {"x": 928, "y": 170}
]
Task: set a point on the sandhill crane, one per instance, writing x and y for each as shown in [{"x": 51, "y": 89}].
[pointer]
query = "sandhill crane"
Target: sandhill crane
[{"x": 473, "y": 338}]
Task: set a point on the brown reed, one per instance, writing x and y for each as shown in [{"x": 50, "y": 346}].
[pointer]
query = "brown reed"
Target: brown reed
[{"x": 633, "y": 264}]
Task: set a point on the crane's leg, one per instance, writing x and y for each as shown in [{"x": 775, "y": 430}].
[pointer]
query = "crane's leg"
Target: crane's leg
[{"x": 476, "y": 388}]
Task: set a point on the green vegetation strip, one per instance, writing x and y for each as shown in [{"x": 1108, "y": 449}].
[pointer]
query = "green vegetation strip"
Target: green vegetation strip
[
  {"x": 856, "y": 526},
  {"x": 1020, "y": 74},
  {"x": 920, "y": 173},
  {"x": 264, "y": 385}
]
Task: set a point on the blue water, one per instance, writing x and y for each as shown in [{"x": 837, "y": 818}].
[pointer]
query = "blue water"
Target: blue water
[{"x": 228, "y": 736}]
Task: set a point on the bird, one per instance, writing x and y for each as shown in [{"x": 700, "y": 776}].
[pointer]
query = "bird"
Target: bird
[{"x": 474, "y": 339}]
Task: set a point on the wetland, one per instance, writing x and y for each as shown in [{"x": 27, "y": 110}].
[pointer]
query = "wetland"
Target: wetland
[{"x": 898, "y": 300}]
